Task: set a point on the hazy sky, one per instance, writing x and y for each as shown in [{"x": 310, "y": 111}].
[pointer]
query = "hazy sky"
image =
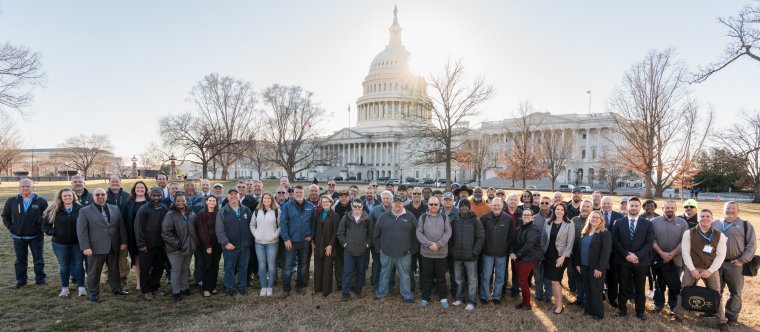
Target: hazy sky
[{"x": 115, "y": 67}]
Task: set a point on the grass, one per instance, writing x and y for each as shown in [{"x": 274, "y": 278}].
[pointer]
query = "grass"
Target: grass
[{"x": 39, "y": 308}]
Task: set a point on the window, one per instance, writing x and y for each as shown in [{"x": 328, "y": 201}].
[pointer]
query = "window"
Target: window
[
  {"x": 583, "y": 154},
  {"x": 593, "y": 153},
  {"x": 584, "y": 136}
]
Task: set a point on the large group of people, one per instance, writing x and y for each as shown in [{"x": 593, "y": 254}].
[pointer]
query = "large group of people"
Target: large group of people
[{"x": 478, "y": 237}]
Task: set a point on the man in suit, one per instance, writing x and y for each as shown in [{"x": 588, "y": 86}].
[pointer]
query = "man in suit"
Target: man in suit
[
  {"x": 632, "y": 238},
  {"x": 609, "y": 216},
  {"x": 101, "y": 234}
]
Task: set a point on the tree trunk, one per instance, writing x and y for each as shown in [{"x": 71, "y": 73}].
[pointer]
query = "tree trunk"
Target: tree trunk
[
  {"x": 647, "y": 188},
  {"x": 554, "y": 180},
  {"x": 757, "y": 192},
  {"x": 448, "y": 175},
  {"x": 292, "y": 175},
  {"x": 258, "y": 170},
  {"x": 84, "y": 173},
  {"x": 204, "y": 167},
  {"x": 225, "y": 168}
]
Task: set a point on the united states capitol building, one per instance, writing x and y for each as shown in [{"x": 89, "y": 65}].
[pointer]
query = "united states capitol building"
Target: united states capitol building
[{"x": 377, "y": 148}]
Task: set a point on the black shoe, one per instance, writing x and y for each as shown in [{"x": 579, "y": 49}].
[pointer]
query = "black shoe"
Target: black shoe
[
  {"x": 613, "y": 304},
  {"x": 496, "y": 302},
  {"x": 41, "y": 283},
  {"x": 641, "y": 317},
  {"x": 732, "y": 322},
  {"x": 186, "y": 292},
  {"x": 20, "y": 284},
  {"x": 513, "y": 294},
  {"x": 243, "y": 291},
  {"x": 230, "y": 293},
  {"x": 577, "y": 302},
  {"x": 483, "y": 301},
  {"x": 120, "y": 293},
  {"x": 657, "y": 309},
  {"x": 594, "y": 317},
  {"x": 93, "y": 298},
  {"x": 408, "y": 301},
  {"x": 622, "y": 313},
  {"x": 520, "y": 306},
  {"x": 177, "y": 297}
]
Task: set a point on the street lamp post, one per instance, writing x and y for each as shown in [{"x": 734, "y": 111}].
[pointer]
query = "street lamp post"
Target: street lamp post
[
  {"x": 134, "y": 166},
  {"x": 401, "y": 174},
  {"x": 172, "y": 164},
  {"x": 67, "y": 171}
]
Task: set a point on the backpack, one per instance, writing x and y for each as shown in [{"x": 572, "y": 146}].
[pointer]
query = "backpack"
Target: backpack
[{"x": 750, "y": 268}]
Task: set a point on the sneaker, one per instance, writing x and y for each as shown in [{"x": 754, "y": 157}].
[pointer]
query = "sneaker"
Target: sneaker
[
  {"x": 408, "y": 301},
  {"x": 177, "y": 297},
  {"x": 269, "y": 292},
  {"x": 423, "y": 303},
  {"x": 445, "y": 303},
  {"x": 263, "y": 292},
  {"x": 469, "y": 307},
  {"x": 82, "y": 291},
  {"x": 650, "y": 295},
  {"x": 64, "y": 292},
  {"x": 457, "y": 303},
  {"x": 93, "y": 298},
  {"x": 657, "y": 309},
  {"x": 148, "y": 296}
]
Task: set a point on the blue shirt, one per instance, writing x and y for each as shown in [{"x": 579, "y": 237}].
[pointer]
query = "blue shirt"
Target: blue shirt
[{"x": 585, "y": 245}]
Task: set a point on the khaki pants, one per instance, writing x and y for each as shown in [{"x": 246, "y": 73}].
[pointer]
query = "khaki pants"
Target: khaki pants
[
  {"x": 713, "y": 282},
  {"x": 732, "y": 277}
]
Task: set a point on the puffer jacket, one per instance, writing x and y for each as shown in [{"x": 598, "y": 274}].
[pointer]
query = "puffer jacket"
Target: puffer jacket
[
  {"x": 467, "y": 237},
  {"x": 499, "y": 234},
  {"x": 355, "y": 237},
  {"x": 178, "y": 234}
]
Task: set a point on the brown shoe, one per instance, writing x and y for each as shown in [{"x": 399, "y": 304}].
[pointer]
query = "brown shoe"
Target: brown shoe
[
  {"x": 148, "y": 296},
  {"x": 345, "y": 298},
  {"x": 285, "y": 295},
  {"x": 300, "y": 291}
]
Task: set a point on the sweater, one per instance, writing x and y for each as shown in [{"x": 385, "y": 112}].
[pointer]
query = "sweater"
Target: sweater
[
  {"x": 265, "y": 227},
  {"x": 434, "y": 229},
  {"x": 395, "y": 236},
  {"x": 148, "y": 226}
]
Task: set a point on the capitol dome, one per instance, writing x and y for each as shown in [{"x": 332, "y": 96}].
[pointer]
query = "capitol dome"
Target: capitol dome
[{"x": 390, "y": 90}]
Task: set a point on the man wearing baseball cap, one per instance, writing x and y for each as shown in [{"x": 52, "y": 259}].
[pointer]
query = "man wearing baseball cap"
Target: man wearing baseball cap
[
  {"x": 690, "y": 208},
  {"x": 395, "y": 239}
]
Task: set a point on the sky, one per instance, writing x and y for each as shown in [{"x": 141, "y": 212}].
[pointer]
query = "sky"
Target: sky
[{"x": 114, "y": 68}]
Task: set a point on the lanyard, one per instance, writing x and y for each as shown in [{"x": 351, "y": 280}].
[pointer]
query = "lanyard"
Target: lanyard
[
  {"x": 724, "y": 228},
  {"x": 708, "y": 239}
]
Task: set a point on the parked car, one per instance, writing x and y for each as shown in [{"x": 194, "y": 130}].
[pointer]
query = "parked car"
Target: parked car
[
  {"x": 272, "y": 177},
  {"x": 585, "y": 189},
  {"x": 442, "y": 181},
  {"x": 428, "y": 181},
  {"x": 566, "y": 187},
  {"x": 301, "y": 178},
  {"x": 338, "y": 178},
  {"x": 351, "y": 178},
  {"x": 532, "y": 188},
  {"x": 383, "y": 179},
  {"x": 410, "y": 179},
  {"x": 394, "y": 181}
]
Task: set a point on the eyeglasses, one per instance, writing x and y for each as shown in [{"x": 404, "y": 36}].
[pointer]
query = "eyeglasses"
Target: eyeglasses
[
  {"x": 374, "y": 185},
  {"x": 417, "y": 194},
  {"x": 433, "y": 204},
  {"x": 281, "y": 192},
  {"x": 356, "y": 206},
  {"x": 331, "y": 185},
  {"x": 545, "y": 203},
  {"x": 689, "y": 207},
  {"x": 99, "y": 195},
  {"x": 536, "y": 195}
]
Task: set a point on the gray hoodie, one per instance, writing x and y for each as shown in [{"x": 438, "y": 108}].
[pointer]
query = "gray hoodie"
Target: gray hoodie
[{"x": 434, "y": 229}]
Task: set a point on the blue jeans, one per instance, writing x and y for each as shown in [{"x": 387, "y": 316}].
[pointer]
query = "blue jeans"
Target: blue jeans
[
  {"x": 22, "y": 247},
  {"x": 267, "y": 255},
  {"x": 403, "y": 264},
  {"x": 236, "y": 261},
  {"x": 466, "y": 270},
  {"x": 70, "y": 259},
  {"x": 356, "y": 265},
  {"x": 301, "y": 250},
  {"x": 543, "y": 286},
  {"x": 489, "y": 263}
]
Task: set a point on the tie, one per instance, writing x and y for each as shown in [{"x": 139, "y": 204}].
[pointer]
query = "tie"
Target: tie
[
  {"x": 632, "y": 229},
  {"x": 607, "y": 219},
  {"x": 105, "y": 216}
]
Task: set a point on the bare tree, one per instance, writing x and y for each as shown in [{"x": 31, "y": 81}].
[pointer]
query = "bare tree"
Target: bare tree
[
  {"x": 191, "y": 136},
  {"x": 612, "y": 171},
  {"x": 9, "y": 143},
  {"x": 258, "y": 154},
  {"x": 744, "y": 31},
  {"x": 20, "y": 73},
  {"x": 658, "y": 123},
  {"x": 557, "y": 153},
  {"x": 226, "y": 108},
  {"x": 439, "y": 120},
  {"x": 743, "y": 139},
  {"x": 85, "y": 152},
  {"x": 291, "y": 127},
  {"x": 477, "y": 155},
  {"x": 523, "y": 159}
]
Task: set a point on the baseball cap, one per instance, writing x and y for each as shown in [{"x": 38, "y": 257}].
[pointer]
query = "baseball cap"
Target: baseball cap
[
  {"x": 401, "y": 187},
  {"x": 577, "y": 190},
  {"x": 624, "y": 199},
  {"x": 500, "y": 192},
  {"x": 232, "y": 189},
  {"x": 343, "y": 193},
  {"x": 398, "y": 198},
  {"x": 218, "y": 185},
  {"x": 691, "y": 202},
  {"x": 448, "y": 195}
]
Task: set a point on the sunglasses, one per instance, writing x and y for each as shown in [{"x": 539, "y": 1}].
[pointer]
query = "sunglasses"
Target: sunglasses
[
  {"x": 331, "y": 185},
  {"x": 281, "y": 192},
  {"x": 374, "y": 185},
  {"x": 356, "y": 206},
  {"x": 417, "y": 194},
  {"x": 689, "y": 207},
  {"x": 536, "y": 195},
  {"x": 99, "y": 195},
  {"x": 433, "y": 204},
  {"x": 545, "y": 203}
]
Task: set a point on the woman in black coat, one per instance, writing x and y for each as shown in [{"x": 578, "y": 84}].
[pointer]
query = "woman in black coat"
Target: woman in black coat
[
  {"x": 138, "y": 197},
  {"x": 593, "y": 261},
  {"x": 324, "y": 244},
  {"x": 527, "y": 252}
]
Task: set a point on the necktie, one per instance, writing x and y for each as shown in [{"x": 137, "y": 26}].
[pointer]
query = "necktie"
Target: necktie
[
  {"x": 105, "y": 216},
  {"x": 607, "y": 219},
  {"x": 632, "y": 228}
]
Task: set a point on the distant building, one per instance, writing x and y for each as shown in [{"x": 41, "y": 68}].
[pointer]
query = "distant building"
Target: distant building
[{"x": 52, "y": 163}]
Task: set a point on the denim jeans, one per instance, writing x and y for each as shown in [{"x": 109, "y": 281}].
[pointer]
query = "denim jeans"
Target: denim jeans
[
  {"x": 543, "y": 286},
  {"x": 70, "y": 259},
  {"x": 489, "y": 263},
  {"x": 466, "y": 270},
  {"x": 22, "y": 247},
  {"x": 301, "y": 251},
  {"x": 354, "y": 265},
  {"x": 267, "y": 258},
  {"x": 236, "y": 261},
  {"x": 403, "y": 264}
]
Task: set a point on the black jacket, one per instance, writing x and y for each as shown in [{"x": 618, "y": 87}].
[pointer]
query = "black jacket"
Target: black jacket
[
  {"x": 117, "y": 199},
  {"x": 641, "y": 245},
  {"x": 499, "y": 233},
  {"x": 148, "y": 226},
  {"x": 64, "y": 228},
  {"x": 22, "y": 223},
  {"x": 527, "y": 244},
  {"x": 598, "y": 252},
  {"x": 614, "y": 215},
  {"x": 128, "y": 215},
  {"x": 467, "y": 237},
  {"x": 396, "y": 236},
  {"x": 355, "y": 238}
]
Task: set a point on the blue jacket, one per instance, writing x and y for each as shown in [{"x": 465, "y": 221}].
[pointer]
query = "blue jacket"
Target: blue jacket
[
  {"x": 296, "y": 220},
  {"x": 233, "y": 228}
]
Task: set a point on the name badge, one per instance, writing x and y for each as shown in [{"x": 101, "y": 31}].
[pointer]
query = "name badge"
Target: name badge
[{"x": 708, "y": 249}]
